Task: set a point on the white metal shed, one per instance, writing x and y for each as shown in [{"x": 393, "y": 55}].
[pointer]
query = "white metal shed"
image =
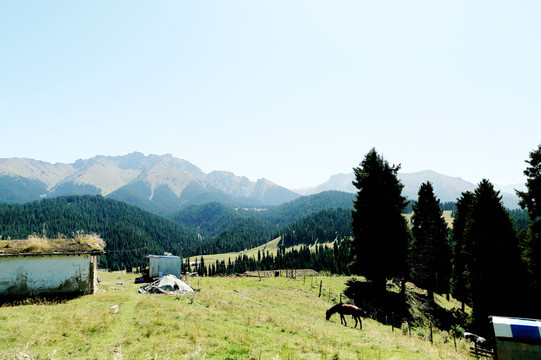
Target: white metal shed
[{"x": 160, "y": 265}]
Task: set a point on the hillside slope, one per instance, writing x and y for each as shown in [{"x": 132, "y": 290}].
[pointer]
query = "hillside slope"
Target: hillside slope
[
  {"x": 129, "y": 232},
  {"x": 229, "y": 318},
  {"x": 224, "y": 229},
  {"x": 324, "y": 226},
  {"x": 297, "y": 209}
]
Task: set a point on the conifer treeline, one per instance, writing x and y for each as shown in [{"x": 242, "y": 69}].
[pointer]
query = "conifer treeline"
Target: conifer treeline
[
  {"x": 334, "y": 259},
  {"x": 494, "y": 254},
  {"x": 319, "y": 242},
  {"x": 132, "y": 233}
]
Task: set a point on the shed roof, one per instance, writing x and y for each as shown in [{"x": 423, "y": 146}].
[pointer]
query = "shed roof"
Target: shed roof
[
  {"x": 91, "y": 244},
  {"x": 163, "y": 257},
  {"x": 516, "y": 328}
]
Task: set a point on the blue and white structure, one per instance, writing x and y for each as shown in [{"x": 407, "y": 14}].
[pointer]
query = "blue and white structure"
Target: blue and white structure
[{"x": 517, "y": 338}]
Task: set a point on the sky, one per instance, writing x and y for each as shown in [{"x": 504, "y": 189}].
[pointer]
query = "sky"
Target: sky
[{"x": 291, "y": 91}]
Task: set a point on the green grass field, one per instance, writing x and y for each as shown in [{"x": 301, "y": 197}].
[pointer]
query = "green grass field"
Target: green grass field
[
  {"x": 271, "y": 247},
  {"x": 229, "y": 318}
]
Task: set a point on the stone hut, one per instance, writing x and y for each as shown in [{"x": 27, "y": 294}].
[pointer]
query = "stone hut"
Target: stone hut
[{"x": 45, "y": 267}]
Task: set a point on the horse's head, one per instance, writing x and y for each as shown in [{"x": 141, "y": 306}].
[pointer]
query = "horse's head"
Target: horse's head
[{"x": 332, "y": 310}]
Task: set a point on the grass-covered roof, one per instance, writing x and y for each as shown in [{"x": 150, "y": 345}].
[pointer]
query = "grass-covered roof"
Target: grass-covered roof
[{"x": 80, "y": 243}]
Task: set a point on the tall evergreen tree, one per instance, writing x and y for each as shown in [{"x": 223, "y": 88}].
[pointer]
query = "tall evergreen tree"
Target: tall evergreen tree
[
  {"x": 430, "y": 257},
  {"x": 380, "y": 233},
  {"x": 202, "y": 270},
  {"x": 460, "y": 278},
  {"x": 495, "y": 259},
  {"x": 531, "y": 200}
]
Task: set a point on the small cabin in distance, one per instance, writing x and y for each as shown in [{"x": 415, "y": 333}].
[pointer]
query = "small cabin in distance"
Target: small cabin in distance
[{"x": 160, "y": 265}]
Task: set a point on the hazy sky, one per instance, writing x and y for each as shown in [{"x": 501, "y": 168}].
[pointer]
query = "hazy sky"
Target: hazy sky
[{"x": 293, "y": 91}]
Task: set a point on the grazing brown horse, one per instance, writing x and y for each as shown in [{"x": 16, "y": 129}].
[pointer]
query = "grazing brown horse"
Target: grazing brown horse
[{"x": 347, "y": 309}]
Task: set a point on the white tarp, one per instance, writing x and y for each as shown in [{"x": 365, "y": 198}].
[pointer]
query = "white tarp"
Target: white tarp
[{"x": 169, "y": 284}]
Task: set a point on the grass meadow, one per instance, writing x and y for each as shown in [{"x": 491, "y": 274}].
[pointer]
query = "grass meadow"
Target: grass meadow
[
  {"x": 271, "y": 247},
  {"x": 228, "y": 318}
]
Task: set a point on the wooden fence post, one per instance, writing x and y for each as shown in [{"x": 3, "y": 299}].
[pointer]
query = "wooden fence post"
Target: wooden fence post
[{"x": 320, "y": 285}]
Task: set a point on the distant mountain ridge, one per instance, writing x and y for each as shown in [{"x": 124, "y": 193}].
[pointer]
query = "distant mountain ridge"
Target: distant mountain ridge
[
  {"x": 446, "y": 188},
  {"x": 159, "y": 183},
  {"x": 163, "y": 184}
]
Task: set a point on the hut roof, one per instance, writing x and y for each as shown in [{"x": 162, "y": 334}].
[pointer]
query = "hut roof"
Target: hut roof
[
  {"x": 516, "y": 328},
  {"x": 87, "y": 244},
  {"x": 163, "y": 257}
]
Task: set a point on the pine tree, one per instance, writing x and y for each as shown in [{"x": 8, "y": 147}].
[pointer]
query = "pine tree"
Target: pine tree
[
  {"x": 460, "y": 279},
  {"x": 531, "y": 200},
  {"x": 495, "y": 259},
  {"x": 380, "y": 233},
  {"x": 430, "y": 251},
  {"x": 202, "y": 269}
]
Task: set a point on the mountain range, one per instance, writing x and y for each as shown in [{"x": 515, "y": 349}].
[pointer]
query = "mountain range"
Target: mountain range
[
  {"x": 446, "y": 188},
  {"x": 164, "y": 184},
  {"x": 160, "y": 184}
]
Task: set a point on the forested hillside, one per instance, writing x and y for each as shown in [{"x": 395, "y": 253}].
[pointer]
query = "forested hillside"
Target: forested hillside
[
  {"x": 224, "y": 229},
  {"x": 321, "y": 227},
  {"x": 241, "y": 234},
  {"x": 129, "y": 232},
  {"x": 132, "y": 233},
  {"x": 209, "y": 220},
  {"x": 297, "y": 209},
  {"x": 315, "y": 219},
  {"x": 17, "y": 189}
]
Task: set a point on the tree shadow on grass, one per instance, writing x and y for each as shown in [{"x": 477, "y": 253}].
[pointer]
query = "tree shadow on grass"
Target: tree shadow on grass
[{"x": 395, "y": 307}]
